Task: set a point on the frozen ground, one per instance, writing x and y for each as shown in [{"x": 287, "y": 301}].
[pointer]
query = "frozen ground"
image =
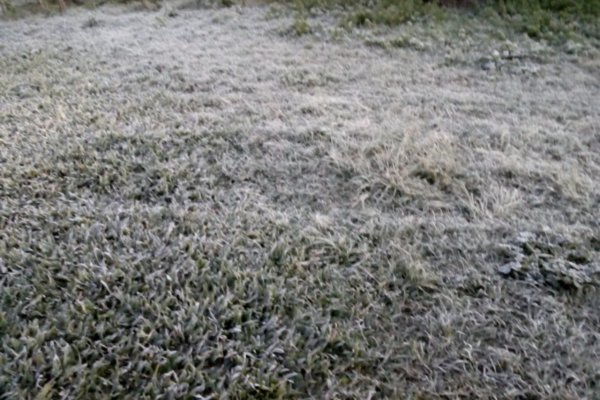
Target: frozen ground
[{"x": 198, "y": 203}]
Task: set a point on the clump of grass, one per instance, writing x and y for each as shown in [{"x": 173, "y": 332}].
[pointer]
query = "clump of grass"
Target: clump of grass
[
  {"x": 300, "y": 26},
  {"x": 392, "y": 13},
  {"x": 7, "y": 7}
]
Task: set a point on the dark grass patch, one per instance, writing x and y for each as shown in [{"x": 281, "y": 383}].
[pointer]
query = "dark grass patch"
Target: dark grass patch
[{"x": 552, "y": 20}]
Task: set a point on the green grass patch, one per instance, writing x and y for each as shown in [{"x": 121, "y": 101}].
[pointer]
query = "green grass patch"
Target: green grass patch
[{"x": 551, "y": 20}]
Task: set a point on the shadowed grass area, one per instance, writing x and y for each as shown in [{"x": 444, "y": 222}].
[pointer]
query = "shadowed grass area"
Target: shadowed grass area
[{"x": 553, "y": 20}]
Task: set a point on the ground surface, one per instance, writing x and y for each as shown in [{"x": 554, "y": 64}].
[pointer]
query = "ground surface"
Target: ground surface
[{"x": 205, "y": 205}]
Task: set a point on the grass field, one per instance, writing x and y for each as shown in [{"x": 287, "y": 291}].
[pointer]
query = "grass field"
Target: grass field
[{"x": 201, "y": 204}]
